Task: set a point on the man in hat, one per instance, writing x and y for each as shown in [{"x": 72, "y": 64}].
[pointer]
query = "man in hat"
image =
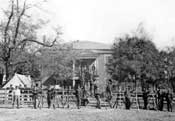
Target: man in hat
[
  {"x": 17, "y": 94},
  {"x": 162, "y": 95},
  {"x": 158, "y": 98},
  {"x": 109, "y": 91},
  {"x": 49, "y": 94},
  {"x": 53, "y": 97},
  {"x": 169, "y": 98},
  {"x": 35, "y": 97},
  {"x": 78, "y": 96},
  {"x": 145, "y": 97},
  {"x": 127, "y": 101},
  {"x": 97, "y": 93}
]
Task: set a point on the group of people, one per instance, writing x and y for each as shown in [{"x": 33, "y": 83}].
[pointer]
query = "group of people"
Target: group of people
[
  {"x": 95, "y": 92},
  {"x": 157, "y": 99},
  {"x": 160, "y": 97},
  {"x": 82, "y": 95},
  {"x": 51, "y": 96},
  {"x": 36, "y": 94}
]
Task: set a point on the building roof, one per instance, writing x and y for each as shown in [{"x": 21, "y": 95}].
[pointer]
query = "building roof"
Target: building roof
[
  {"x": 91, "y": 45},
  {"x": 53, "y": 80}
]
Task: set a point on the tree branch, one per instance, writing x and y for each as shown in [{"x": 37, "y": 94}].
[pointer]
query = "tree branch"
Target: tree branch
[
  {"x": 17, "y": 5},
  {"x": 8, "y": 22},
  {"x": 18, "y": 23},
  {"x": 40, "y": 43},
  {"x": 17, "y": 63}
]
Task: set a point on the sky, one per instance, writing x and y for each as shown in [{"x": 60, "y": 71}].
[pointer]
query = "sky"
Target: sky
[{"x": 103, "y": 20}]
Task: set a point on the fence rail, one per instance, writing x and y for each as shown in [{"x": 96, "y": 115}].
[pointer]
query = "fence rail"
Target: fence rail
[
  {"x": 68, "y": 95},
  {"x": 26, "y": 96},
  {"x": 137, "y": 101}
]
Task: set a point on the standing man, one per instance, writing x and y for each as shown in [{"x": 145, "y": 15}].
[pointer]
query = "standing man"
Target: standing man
[
  {"x": 92, "y": 86},
  {"x": 169, "y": 97},
  {"x": 127, "y": 101},
  {"x": 158, "y": 98},
  {"x": 35, "y": 97},
  {"x": 39, "y": 95},
  {"x": 49, "y": 94},
  {"x": 53, "y": 97},
  {"x": 78, "y": 96},
  {"x": 162, "y": 95},
  {"x": 92, "y": 80},
  {"x": 97, "y": 94},
  {"x": 145, "y": 98},
  {"x": 17, "y": 94},
  {"x": 109, "y": 92}
]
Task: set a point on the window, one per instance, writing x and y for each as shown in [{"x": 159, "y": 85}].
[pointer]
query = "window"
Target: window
[{"x": 108, "y": 59}]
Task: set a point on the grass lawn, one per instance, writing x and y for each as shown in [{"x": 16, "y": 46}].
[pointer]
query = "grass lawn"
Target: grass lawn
[{"x": 83, "y": 114}]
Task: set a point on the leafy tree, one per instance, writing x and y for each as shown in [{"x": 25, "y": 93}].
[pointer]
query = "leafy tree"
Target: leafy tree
[
  {"x": 168, "y": 60},
  {"x": 57, "y": 61},
  {"x": 136, "y": 56},
  {"x": 30, "y": 67}
]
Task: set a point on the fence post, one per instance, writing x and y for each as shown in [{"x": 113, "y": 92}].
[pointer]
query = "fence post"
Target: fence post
[{"x": 5, "y": 96}]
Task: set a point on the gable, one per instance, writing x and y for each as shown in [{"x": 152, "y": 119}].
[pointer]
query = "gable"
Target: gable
[{"x": 91, "y": 45}]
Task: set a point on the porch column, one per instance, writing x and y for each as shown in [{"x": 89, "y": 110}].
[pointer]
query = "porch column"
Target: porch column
[{"x": 73, "y": 67}]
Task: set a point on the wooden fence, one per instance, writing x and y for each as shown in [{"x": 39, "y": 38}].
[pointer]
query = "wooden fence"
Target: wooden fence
[
  {"x": 137, "y": 100},
  {"x": 67, "y": 96},
  {"x": 6, "y": 97},
  {"x": 26, "y": 96}
]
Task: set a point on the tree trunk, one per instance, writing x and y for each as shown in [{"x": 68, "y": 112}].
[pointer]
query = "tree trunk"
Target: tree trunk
[{"x": 6, "y": 70}]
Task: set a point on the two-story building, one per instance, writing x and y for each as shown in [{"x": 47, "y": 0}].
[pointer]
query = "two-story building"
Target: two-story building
[{"x": 92, "y": 58}]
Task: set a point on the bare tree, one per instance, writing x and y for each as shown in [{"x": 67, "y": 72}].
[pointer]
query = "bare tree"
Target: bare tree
[{"x": 17, "y": 32}]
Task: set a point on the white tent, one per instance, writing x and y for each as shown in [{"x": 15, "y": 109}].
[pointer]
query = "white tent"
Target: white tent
[{"x": 18, "y": 80}]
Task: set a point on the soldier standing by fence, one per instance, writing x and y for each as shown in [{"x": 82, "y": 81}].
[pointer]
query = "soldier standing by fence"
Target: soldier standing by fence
[
  {"x": 51, "y": 101},
  {"x": 145, "y": 97},
  {"x": 40, "y": 96},
  {"x": 53, "y": 97},
  {"x": 162, "y": 95},
  {"x": 35, "y": 97},
  {"x": 158, "y": 98},
  {"x": 49, "y": 94},
  {"x": 78, "y": 96},
  {"x": 109, "y": 92},
  {"x": 127, "y": 101},
  {"x": 169, "y": 97},
  {"x": 17, "y": 94},
  {"x": 97, "y": 94}
]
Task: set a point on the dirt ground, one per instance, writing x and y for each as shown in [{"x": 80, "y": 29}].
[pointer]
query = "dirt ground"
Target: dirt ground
[{"x": 83, "y": 114}]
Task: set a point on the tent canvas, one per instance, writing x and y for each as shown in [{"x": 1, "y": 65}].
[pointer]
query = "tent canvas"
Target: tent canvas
[{"x": 19, "y": 79}]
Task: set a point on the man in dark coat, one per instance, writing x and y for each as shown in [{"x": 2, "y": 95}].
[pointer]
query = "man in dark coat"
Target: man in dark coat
[
  {"x": 169, "y": 97},
  {"x": 92, "y": 85},
  {"x": 145, "y": 98},
  {"x": 109, "y": 92},
  {"x": 162, "y": 95},
  {"x": 53, "y": 100},
  {"x": 78, "y": 96},
  {"x": 127, "y": 101},
  {"x": 49, "y": 95},
  {"x": 158, "y": 98},
  {"x": 97, "y": 94},
  {"x": 35, "y": 97}
]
